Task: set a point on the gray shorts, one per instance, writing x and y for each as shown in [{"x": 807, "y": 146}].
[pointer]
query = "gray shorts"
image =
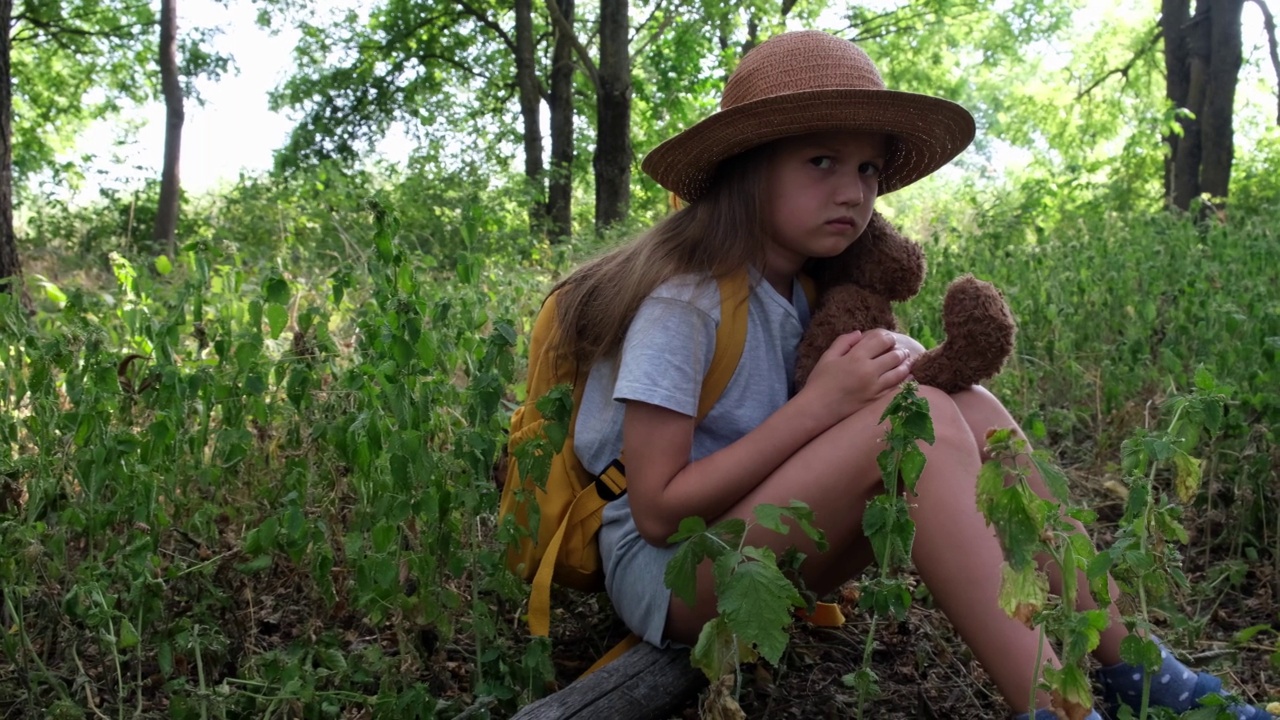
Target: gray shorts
[{"x": 633, "y": 571}]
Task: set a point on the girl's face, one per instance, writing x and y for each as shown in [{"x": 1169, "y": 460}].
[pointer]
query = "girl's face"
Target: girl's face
[{"x": 820, "y": 190}]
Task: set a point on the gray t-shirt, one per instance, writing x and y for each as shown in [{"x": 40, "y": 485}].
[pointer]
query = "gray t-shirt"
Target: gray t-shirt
[{"x": 664, "y": 358}]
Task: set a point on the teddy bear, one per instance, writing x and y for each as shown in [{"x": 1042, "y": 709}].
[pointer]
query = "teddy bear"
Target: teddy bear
[{"x": 882, "y": 266}]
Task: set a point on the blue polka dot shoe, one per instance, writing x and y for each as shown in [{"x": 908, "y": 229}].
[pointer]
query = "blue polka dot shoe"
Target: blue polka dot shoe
[{"x": 1173, "y": 686}]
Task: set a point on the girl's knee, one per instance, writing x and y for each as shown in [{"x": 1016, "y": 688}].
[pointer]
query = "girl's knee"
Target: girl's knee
[
  {"x": 954, "y": 446},
  {"x": 948, "y": 420}
]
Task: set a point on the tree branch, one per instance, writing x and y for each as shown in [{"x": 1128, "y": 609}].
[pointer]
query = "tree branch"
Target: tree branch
[
  {"x": 657, "y": 8},
  {"x": 1269, "y": 23},
  {"x": 485, "y": 20},
  {"x": 54, "y": 28},
  {"x": 1124, "y": 70},
  {"x": 667, "y": 19},
  {"x": 893, "y": 22},
  {"x": 583, "y": 56},
  {"x": 57, "y": 33}
]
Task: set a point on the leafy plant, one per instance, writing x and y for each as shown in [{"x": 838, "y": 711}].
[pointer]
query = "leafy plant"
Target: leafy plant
[
  {"x": 888, "y": 525},
  {"x": 755, "y": 599},
  {"x": 1143, "y": 557}
]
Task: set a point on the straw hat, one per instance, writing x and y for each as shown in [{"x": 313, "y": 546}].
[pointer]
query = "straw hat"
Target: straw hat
[{"x": 804, "y": 82}]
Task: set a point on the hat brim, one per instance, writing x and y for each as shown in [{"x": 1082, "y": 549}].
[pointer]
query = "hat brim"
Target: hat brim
[{"x": 929, "y": 132}]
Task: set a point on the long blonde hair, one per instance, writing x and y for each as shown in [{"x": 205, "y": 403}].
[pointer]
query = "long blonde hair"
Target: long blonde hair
[{"x": 722, "y": 231}]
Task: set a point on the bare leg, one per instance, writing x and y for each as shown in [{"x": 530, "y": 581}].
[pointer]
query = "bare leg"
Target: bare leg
[
  {"x": 982, "y": 411},
  {"x": 957, "y": 555}
]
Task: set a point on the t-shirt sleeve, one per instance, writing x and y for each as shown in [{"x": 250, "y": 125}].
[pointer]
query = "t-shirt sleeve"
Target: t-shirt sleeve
[{"x": 666, "y": 354}]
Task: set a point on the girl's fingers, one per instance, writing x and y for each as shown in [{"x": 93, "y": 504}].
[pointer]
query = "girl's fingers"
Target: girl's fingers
[
  {"x": 844, "y": 343},
  {"x": 876, "y": 343},
  {"x": 890, "y": 359}
]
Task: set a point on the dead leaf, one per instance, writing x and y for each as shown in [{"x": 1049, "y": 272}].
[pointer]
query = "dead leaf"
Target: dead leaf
[
  {"x": 1067, "y": 709},
  {"x": 718, "y": 704}
]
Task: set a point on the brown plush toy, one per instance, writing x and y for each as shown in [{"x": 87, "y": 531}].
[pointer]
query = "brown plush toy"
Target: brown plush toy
[{"x": 883, "y": 266}]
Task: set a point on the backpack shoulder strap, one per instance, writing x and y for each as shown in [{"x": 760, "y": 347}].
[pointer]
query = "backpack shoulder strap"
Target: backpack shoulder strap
[
  {"x": 731, "y": 337},
  {"x": 810, "y": 290}
]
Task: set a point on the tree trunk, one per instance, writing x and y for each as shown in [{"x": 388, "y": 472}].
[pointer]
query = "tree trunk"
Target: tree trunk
[
  {"x": 1202, "y": 63},
  {"x": 170, "y": 184},
  {"x": 560, "y": 190},
  {"x": 530, "y": 107},
  {"x": 1174, "y": 16},
  {"x": 1216, "y": 131},
  {"x": 10, "y": 265},
  {"x": 613, "y": 157}
]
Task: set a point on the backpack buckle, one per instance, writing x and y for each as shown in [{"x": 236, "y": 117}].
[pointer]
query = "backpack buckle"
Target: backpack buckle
[{"x": 611, "y": 483}]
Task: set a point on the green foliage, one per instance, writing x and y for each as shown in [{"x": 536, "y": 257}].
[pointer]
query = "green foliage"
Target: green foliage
[
  {"x": 1141, "y": 558},
  {"x": 74, "y": 61},
  {"x": 888, "y": 525},
  {"x": 754, "y": 598},
  {"x": 1117, "y": 310},
  {"x": 320, "y": 221},
  {"x": 249, "y": 457}
]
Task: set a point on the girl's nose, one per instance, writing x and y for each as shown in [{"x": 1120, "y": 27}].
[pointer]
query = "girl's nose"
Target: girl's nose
[{"x": 850, "y": 191}]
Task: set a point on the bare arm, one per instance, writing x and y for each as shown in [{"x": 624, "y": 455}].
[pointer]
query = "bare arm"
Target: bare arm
[{"x": 665, "y": 487}]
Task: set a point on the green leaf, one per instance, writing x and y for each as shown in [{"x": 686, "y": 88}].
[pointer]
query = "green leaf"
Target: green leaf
[
  {"x": 717, "y": 652},
  {"x": 887, "y": 524},
  {"x": 164, "y": 658},
  {"x": 770, "y": 516},
  {"x": 1249, "y": 633},
  {"x": 756, "y": 603},
  {"x": 400, "y": 470},
  {"x": 919, "y": 425},
  {"x": 277, "y": 290},
  {"x": 681, "y": 574},
  {"x": 1018, "y": 517},
  {"x": 802, "y": 514},
  {"x": 730, "y": 531},
  {"x": 991, "y": 479},
  {"x": 163, "y": 265},
  {"x": 1140, "y": 652},
  {"x": 128, "y": 635},
  {"x": 887, "y": 461},
  {"x": 760, "y": 554},
  {"x": 403, "y": 352},
  {"x": 256, "y": 565},
  {"x": 1204, "y": 380},
  {"x": 911, "y": 465},
  {"x": 1075, "y": 692},
  {"x": 1023, "y": 593},
  {"x": 277, "y": 318},
  {"x": 690, "y": 526},
  {"x": 1133, "y": 457},
  {"x": 1053, "y": 477},
  {"x": 332, "y": 659}
]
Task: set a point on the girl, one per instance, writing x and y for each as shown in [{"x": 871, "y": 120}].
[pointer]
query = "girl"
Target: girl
[{"x": 785, "y": 175}]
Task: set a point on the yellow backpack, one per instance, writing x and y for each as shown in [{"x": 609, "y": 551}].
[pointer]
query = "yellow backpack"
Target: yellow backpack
[{"x": 564, "y": 550}]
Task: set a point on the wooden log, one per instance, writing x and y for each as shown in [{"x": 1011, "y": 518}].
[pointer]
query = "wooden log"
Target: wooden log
[{"x": 645, "y": 683}]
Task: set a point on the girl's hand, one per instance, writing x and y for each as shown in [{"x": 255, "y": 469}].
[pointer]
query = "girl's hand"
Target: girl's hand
[{"x": 857, "y": 370}]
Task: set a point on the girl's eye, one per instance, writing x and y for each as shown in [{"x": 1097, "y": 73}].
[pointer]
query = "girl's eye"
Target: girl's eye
[
  {"x": 822, "y": 162},
  {"x": 869, "y": 169}
]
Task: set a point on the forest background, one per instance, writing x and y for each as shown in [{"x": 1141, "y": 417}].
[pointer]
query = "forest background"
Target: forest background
[{"x": 250, "y": 432}]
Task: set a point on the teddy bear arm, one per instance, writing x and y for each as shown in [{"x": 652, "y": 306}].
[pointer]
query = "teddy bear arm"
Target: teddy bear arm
[{"x": 980, "y": 337}]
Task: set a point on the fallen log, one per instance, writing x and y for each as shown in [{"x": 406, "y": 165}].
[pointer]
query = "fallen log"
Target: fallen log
[{"x": 645, "y": 683}]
